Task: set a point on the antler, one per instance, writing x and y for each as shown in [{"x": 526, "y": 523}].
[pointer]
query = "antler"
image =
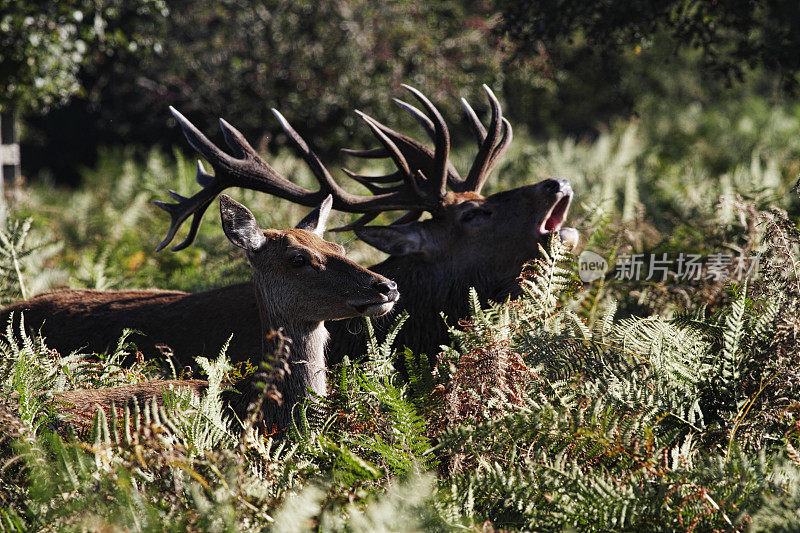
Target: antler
[
  {"x": 419, "y": 184},
  {"x": 422, "y": 159},
  {"x": 489, "y": 150},
  {"x": 243, "y": 167}
]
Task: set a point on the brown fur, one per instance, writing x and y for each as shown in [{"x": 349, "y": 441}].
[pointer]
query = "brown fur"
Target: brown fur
[
  {"x": 87, "y": 401},
  {"x": 83, "y": 404},
  {"x": 92, "y": 321}
]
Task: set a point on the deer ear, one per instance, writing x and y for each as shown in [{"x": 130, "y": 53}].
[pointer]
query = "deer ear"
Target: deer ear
[
  {"x": 402, "y": 239},
  {"x": 239, "y": 224},
  {"x": 317, "y": 220}
]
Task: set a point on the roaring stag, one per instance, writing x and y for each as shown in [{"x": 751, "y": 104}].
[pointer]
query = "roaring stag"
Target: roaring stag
[
  {"x": 469, "y": 240},
  {"x": 300, "y": 281}
]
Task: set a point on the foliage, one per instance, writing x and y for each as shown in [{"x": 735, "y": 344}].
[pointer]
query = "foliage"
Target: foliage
[
  {"x": 733, "y": 36},
  {"x": 43, "y": 45},
  {"x": 314, "y": 61},
  {"x": 533, "y": 420},
  {"x": 20, "y": 261},
  {"x": 318, "y": 61}
]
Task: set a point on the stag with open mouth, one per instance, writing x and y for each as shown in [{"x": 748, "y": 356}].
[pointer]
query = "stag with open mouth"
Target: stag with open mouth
[{"x": 470, "y": 240}]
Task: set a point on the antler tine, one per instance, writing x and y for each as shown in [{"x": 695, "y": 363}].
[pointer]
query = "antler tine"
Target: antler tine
[
  {"x": 179, "y": 212},
  {"x": 411, "y": 216},
  {"x": 236, "y": 142},
  {"x": 419, "y": 116},
  {"x": 195, "y": 205},
  {"x": 474, "y": 122},
  {"x": 414, "y": 160},
  {"x": 388, "y": 178},
  {"x": 345, "y": 200},
  {"x": 196, "y": 139},
  {"x": 370, "y": 182},
  {"x": 320, "y": 172},
  {"x": 202, "y": 177},
  {"x": 245, "y": 168},
  {"x": 396, "y": 154},
  {"x": 502, "y": 146},
  {"x": 385, "y": 198},
  {"x": 391, "y": 147},
  {"x": 416, "y": 154},
  {"x": 375, "y": 153},
  {"x": 175, "y": 195},
  {"x": 442, "y": 142},
  {"x": 194, "y": 226},
  {"x": 479, "y": 171},
  {"x": 360, "y": 221}
]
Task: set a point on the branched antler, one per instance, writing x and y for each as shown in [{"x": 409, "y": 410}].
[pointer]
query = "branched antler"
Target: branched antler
[
  {"x": 419, "y": 184},
  {"x": 489, "y": 151},
  {"x": 419, "y": 160},
  {"x": 243, "y": 167}
]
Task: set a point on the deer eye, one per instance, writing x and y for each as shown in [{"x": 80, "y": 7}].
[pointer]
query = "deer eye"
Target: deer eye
[
  {"x": 298, "y": 261},
  {"x": 475, "y": 214}
]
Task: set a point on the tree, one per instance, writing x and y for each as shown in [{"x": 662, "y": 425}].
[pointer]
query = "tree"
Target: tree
[
  {"x": 316, "y": 61},
  {"x": 733, "y": 35},
  {"x": 44, "y": 44}
]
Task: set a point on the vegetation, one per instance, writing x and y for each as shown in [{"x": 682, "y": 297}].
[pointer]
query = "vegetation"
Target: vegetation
[
  {"x": 614, "y": 405},
  {"x": 315, "y": 61},
  {"x": 664, "y": 403},
  {"x": 44, "y": 45},
  {"x": 732, "y": 36}
]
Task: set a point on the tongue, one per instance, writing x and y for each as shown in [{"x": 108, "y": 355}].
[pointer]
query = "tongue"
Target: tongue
[
  {"x": 552, "y": 223},
  {"x": 556, "y": 215}
]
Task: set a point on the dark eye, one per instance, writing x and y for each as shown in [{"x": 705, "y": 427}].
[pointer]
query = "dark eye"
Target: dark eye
[
  {"x": 298, "y": 261},
  {"x": 474, "y": 214}
]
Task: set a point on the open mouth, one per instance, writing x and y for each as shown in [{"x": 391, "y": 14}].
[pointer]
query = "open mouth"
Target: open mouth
[{"x": 555, "y": 217}]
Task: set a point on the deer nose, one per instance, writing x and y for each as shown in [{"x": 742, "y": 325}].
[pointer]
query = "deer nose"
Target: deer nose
[
  {"x": 552, "y": 186},
  {"x": 385, "y": 287},
  {"x": 555, "y": 186}
]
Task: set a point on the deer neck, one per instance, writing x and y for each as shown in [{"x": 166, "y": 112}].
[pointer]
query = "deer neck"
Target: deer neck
[
  {"x": 306, "y": 347},
  {"x": 428, "y": 290},
  {"x": 307, "y": 342},
  {"x": 442, "y": 287}
]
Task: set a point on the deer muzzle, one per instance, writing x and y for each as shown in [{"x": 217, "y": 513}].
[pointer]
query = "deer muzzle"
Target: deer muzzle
[{"x": 384, "y": 302}]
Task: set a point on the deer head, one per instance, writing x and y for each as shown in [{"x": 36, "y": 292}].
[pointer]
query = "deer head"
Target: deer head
[
  {"x": 300, "y": 276},
  {"x": 489, "y": 236},
  {"x": 474, "y": 233}
]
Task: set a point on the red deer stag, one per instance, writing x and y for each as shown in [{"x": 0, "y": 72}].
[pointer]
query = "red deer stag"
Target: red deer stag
[
  {"x": 300, "y": 280},
  {"x": 469, "y": 241}
]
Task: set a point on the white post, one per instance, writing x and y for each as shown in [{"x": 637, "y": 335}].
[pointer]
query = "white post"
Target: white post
[{"x": 9, "y": 155}]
